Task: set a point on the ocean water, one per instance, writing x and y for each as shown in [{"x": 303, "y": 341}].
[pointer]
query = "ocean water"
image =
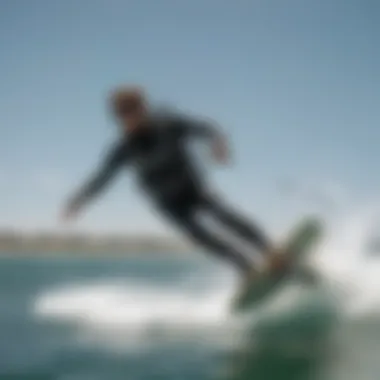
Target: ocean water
[{"x": 168, "y": 318}]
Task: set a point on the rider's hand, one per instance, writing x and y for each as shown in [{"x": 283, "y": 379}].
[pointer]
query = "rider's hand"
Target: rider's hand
[
  {"x": 70, "y": 212},
  {"x": 220, "y": 151}
]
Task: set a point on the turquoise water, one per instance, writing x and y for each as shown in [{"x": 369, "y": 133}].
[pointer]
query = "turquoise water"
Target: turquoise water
[{"x": 168, "y": 318}]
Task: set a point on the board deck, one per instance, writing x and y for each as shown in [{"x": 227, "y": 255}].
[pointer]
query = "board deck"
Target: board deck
[{"x": 299, "y": 243}]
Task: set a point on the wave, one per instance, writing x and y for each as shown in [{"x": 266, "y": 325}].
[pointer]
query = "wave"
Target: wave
[{"x": 198, "y": 308}]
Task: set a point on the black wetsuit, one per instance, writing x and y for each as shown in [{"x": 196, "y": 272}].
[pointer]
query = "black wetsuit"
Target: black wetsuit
[{"x": 166, "y": 172}]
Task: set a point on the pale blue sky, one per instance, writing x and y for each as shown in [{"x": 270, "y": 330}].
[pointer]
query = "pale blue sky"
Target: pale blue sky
[{"x": 296, "y": 83}]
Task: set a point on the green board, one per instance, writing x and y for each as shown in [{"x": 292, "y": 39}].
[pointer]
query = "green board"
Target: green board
[{"x": 299, "y": 243}]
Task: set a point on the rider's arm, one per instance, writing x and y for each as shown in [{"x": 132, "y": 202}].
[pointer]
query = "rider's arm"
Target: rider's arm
[
  {"x": 197, "y": 127},
  {"x": 101, "y": 178},
  {"x": 194, "y": 127}
]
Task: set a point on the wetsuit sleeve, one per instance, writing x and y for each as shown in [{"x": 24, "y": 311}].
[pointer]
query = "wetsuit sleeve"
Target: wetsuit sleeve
[
  {"x": 193, "y": 127},
  {"x": 103, "y": 176}
]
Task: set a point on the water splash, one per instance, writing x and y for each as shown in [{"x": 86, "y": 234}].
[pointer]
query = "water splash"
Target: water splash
[{"x": 198, "y": 308}]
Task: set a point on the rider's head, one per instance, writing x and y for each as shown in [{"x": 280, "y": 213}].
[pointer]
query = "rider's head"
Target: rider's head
[{"x": 129, "y": 106}]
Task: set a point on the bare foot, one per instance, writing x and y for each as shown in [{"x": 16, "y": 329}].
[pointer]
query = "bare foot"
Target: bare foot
[{"x": 277, "y": 261}]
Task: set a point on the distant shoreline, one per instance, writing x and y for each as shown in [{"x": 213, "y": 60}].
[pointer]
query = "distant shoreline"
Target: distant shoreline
[
  {"x": 104, "y": 252},
  {"x": 15, "y": 244},
  {"x": 84, "y": 254}
]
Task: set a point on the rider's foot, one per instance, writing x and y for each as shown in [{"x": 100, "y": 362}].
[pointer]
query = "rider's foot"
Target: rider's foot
[{"x": 276, "y": 261}]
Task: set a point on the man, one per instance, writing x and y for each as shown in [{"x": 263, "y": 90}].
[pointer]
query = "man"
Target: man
[{"x": 155, "y": 145}]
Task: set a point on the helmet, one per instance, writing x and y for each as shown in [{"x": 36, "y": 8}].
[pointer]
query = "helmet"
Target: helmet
[{"x": 127, "y": 99}]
